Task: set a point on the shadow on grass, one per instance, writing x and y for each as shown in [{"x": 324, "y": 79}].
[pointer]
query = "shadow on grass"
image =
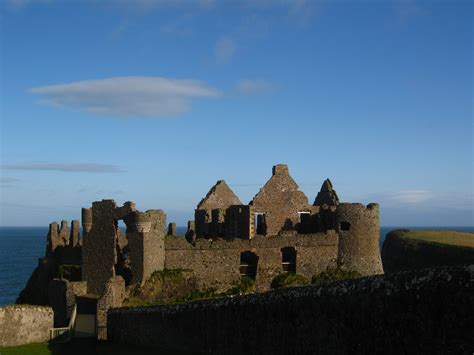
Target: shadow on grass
[
  {"x": 94, "y": 347},
  {"x": 83, "y": 347}
]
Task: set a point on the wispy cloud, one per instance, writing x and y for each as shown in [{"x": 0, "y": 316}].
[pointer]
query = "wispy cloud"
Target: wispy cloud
[
  {"x": 412, "y": 196},
  {"x": 148, "y": 5},
  {"x": 224, "y": 49},
  {"x": 257, "y": 86},
  {"x": 419, "y": 198},
  {"x": 8, "y": 182},
  {"x": 408, "y": 10},
  {"x": 16, "y": 5},
  {"x": 134, "y": 96},
  {"x": 68, "y": 168}
]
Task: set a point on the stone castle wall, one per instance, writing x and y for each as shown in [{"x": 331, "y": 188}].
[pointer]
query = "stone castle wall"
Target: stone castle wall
[
  {"x": 24, "y": 324},
  {"x": 429, "y": 312},
  {"x": 216, "y": 263}
]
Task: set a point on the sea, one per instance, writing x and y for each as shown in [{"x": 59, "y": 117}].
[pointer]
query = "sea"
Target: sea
[{"x": 20, "y": 248}]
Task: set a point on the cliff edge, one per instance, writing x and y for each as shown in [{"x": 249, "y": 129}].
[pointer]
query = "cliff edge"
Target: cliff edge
[{"x": 405, "y": 249}]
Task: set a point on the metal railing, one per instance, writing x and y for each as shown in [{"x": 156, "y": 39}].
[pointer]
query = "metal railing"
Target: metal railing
[{"x": 64, "y": 333}]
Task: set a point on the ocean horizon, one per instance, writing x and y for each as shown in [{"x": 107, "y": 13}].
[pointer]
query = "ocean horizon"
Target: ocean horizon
[{"x": 21, "y": 247}]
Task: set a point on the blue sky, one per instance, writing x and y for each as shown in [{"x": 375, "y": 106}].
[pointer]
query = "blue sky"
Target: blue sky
[{"x": 154, "y": 100}]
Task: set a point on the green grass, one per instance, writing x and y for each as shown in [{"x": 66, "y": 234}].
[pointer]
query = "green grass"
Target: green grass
[
  {"x": 334, "y": 274},
  {"x": 243, "y": 286},
  {"x": 289, "y": 279},
  {"x": 81, "y": 347},
  {"x": 463, "y": 239}
]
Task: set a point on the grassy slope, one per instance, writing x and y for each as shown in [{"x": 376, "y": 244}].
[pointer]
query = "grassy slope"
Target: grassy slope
[
  {"x": 463, "y": 239},
  {"x": 79, "y": 347},
  {"x": 418, "y": 249}
]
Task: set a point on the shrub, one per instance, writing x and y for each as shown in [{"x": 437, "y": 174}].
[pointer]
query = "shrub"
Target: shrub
[
  {"x": 197, "y": 295},
  {"x": 289, "y": 279},
  {"x": 334, "y": 274},
  {"x": 244, "y": 285}
]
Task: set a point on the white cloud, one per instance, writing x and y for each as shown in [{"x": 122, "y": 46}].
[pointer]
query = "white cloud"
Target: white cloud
[
  {"x": 21, "y": 4},
  {"x": 258, "y": 86},
  {"x": 69, "y": 168},
  {"x": 421, "y": 199},
  {"x": 148, "y": 5},
  {"x": 224, "y": 49},
  {"x": 127, "y": 96},
  {"x": 412, "y": 196}
]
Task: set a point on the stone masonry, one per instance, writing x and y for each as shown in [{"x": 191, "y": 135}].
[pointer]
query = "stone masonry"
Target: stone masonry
[{"x": 280, "y": 201}]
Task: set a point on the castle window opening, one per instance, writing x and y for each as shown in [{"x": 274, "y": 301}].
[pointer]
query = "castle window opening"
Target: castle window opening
[
  {"x": 260, "y": 224},
  {"x": 248, "y": 264},
  {"x": 288, "y": 259},
  {"x": 300, "y": 213},
  {"x": 345, "y": 226},
  {"x": 121, "y": 225}
]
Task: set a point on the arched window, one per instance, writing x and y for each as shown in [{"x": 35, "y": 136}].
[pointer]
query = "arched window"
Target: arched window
[
  {"x": 248, "y": 264},
  {"x": 288, "y": 259}
]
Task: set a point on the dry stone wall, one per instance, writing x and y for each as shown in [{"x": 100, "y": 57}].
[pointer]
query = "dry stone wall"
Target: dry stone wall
[
  {"x": 429, "y": 312},
  {"x": 24, "y": 324}
]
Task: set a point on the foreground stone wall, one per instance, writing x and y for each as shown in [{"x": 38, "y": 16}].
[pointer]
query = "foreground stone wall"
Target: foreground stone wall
[
  {"x": 216, "y": 263},
  {"x": 21, "y": 324},
  {"x": 429, "y": 311}
]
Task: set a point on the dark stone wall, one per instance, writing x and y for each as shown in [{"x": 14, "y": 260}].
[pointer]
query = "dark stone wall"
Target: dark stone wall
[
  {"x": 99, "y": 246},
  {"x": 424, "y": 312},
  {"x": 399, "y": 253},
  {"x": 216, "y": 263},
  {"x": 219, "y": 197}
]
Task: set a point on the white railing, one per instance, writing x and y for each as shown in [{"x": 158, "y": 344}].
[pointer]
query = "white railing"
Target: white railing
[{"x": 64, "y": 333}]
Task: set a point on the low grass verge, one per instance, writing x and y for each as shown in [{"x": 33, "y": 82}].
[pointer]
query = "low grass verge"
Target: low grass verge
[{"x": 81, "y": 347}]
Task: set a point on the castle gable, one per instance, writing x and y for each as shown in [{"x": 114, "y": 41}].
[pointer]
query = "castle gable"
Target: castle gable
[
  {"x": 279, "y": 200},
  {"x": 219, "y": 196},
  {"x": 327, "y": 195}
]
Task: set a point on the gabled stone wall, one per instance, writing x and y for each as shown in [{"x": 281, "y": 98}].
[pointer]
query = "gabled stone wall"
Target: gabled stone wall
[{"x": 280, "y": 201}]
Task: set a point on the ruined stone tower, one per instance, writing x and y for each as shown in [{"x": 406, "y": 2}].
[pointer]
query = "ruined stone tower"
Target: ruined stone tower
[{"x": 358, "y": 229}]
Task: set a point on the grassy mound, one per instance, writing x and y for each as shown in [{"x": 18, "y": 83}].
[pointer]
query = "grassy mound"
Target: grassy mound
[
  {"x": 163, "y": 287},
  {"x": 405, "y": 249}
]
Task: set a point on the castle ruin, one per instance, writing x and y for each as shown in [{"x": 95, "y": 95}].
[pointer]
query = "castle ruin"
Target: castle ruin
[{"x": 278, "y": 231}]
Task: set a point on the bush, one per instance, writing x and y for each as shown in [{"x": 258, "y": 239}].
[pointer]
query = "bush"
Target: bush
[
  {"x": 289, "y": 279},
  {"x": 244, "y": 285},
  {"x": 334, "y": 274}
]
